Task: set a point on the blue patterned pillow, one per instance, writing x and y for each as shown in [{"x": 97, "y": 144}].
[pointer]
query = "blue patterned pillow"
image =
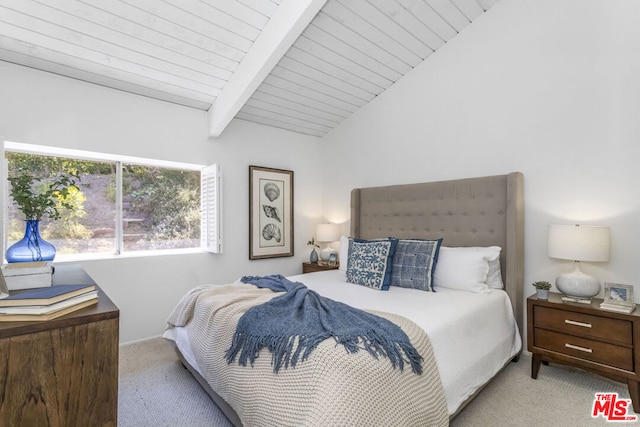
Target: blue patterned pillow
[
  {"x": 369, "y": 262},
  {"x": 414, "y": 263}
]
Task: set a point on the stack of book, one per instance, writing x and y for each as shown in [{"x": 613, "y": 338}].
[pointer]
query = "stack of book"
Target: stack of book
[
  {"x": 27, "y": 275},
  {"x": 46, "y": 303}
]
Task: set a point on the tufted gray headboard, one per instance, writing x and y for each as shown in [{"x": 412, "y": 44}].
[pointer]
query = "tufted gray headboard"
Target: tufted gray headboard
[{"x": 486, "y": 211}]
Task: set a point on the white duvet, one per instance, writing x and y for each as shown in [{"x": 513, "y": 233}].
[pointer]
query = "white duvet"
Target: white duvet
[{"x": 473, "y": 334}]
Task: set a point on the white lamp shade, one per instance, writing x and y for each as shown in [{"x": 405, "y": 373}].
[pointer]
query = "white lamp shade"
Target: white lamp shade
[
  {"x": 327, "y": 232},
  {"x": 579, "y": 242}
]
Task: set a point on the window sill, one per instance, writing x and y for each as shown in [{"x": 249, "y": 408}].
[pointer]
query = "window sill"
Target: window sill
[{"x": 63, "y": 259}]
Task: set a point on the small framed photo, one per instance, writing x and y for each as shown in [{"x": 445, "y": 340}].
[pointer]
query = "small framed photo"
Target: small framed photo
[
  {"x": 333, "y": 260},
  {"x": 615, "y": 293}
]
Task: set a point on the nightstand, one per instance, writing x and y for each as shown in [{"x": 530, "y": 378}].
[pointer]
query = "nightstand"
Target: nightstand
[
  {"x": 584, "y": 336},
  {"x": 64, "y": 371},
  {"x": 312, "y": 267}
]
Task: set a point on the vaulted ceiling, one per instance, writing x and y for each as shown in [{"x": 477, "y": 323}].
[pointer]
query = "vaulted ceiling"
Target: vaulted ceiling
[{"x": 301, "y": 65}]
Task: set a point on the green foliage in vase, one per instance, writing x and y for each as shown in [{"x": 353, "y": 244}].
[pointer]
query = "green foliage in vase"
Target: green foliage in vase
[
  {"x": 37, "y": 199},
  {"x": 542, "y": 284}
]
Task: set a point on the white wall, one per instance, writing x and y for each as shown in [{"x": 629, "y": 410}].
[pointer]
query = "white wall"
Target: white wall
[
  {"x": 42, "y": 108},
  {"x": 547, "y": 87}
]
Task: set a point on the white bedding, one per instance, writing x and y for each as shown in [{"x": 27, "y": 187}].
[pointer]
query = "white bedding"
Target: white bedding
[{"x": 473, "y": 334}]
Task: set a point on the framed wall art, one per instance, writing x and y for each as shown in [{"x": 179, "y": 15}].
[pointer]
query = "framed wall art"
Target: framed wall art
[{"x": 270, "y": 212}]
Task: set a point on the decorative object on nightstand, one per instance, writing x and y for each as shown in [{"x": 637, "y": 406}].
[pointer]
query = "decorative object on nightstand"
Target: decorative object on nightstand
[
  {"x": 578, "y": 243},
  {"x": 542, "y": 289},
  {"x": 313, "y": 256},
  {"x": 327, "y": 233},
  {"x": 618, "y": 298},
  {"x": 333, "y": 260}
]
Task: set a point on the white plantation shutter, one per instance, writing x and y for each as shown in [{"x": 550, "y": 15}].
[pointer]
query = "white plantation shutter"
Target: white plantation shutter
[
  {"x": 4, "y": 191},
  {"x": 211, "y": 215}
]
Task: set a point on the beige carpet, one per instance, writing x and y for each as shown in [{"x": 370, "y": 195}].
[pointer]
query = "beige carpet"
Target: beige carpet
[
  {"x": 561, "y": 396},
  {"x": 155, "y": 390}
]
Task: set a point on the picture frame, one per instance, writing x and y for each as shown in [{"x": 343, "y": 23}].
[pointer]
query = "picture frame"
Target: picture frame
[
  {"x": 618, "y": 294},
  {"x": 270, "y": 212},
  {"x": 333, "y": 260}
]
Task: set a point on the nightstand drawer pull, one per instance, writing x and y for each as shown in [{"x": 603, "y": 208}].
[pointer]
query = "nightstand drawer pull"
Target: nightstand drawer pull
[
  {"x": 575, "y": 347},
  {"x": 574, "y": 323}
]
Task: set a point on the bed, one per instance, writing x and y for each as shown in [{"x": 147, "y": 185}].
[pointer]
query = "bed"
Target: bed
[{"x": 472, "y": 334}]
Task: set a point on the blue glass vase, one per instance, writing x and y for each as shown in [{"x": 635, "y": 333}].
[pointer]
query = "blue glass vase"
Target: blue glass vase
[
  {"x": 32, "y": 247},
  {"x": 313, "y": 258}
]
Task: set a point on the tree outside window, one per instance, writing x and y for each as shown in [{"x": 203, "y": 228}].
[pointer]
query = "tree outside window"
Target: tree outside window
[{"x": 160, "y": 206}]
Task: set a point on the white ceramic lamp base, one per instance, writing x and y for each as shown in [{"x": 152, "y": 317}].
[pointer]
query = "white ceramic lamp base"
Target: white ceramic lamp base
[
  {"x": 577, "y": 284},
  {"x": 325, "y": 254}
]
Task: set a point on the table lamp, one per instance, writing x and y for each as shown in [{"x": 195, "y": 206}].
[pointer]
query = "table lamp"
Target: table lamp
[
  {"x": 578, "y": 243},
  {"x": 327, "y": 233}
]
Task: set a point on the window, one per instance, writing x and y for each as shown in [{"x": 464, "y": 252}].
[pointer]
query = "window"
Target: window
[{"x": 122, "y": 205}]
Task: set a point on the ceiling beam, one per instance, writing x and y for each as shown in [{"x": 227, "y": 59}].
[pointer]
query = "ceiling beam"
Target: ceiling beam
[{"x": 282, "y": 30}]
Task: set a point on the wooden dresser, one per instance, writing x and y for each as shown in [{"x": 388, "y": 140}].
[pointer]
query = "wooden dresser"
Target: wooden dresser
[
  {"x": 62, "y": 372},
  {"x": 587, "y": 337}
]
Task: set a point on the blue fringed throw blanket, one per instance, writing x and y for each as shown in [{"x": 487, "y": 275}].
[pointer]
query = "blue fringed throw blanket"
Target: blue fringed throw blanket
[{"x": 304, "y": 316}]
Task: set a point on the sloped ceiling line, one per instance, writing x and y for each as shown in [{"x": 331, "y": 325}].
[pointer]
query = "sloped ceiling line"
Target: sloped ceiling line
[
  {"x": 283, "y": 28},
  {"x": 301, "y": 65},
  {"x": 350, "y": 53}
]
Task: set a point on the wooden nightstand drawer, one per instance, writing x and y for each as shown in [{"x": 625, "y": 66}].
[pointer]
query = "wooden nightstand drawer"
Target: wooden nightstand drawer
[
  {"x": 595, "y": 351},
  {"x": 308, "y": 267},
  {"x": 584, "y": 325},
  {"x": 585, "y": 336}
]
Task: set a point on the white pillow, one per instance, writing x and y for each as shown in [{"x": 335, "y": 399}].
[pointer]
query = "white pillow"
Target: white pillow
[
  {"x": 494, "y": 277},
  {"x": 466, "y": 268},
  {"x": 343, "y": 255}
]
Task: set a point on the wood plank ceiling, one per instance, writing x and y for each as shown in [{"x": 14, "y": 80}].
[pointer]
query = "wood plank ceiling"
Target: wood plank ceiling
[{"x": 187, "y": 51}]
